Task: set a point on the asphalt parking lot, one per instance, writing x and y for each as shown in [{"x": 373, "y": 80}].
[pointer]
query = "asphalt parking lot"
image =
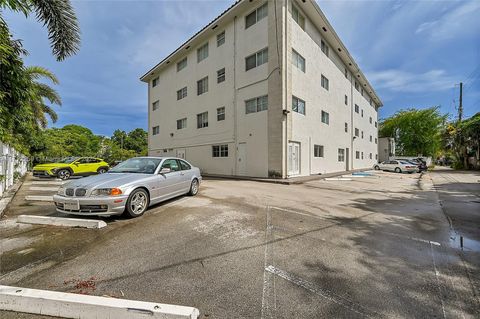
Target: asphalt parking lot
[{"x": 385, "y": 246}]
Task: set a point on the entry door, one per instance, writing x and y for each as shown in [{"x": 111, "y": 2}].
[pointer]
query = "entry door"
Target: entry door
[
  {"x": 181, "y": 153},
  {"x": 347, "y": 159},
  {"x": 242, "y": 159},
  {"x": 293, "y": 158}
]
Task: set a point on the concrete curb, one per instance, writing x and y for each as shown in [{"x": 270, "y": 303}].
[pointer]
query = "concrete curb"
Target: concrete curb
[
  {"x": 40, "y": 198},
  {"x": 68, "y": 305},
  {"x": 61, "y": 221},
  {"x": 9, "y": 195},
  {"x": 43, "y": 189}
]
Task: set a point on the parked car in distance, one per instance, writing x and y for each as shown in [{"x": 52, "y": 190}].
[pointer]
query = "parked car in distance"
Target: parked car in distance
[
  {"x": 396, "y": 166},
  {"x": 71, "y": 166},
  {"x": 422, "y": 165},
  {"x": 129, "y": 188}
]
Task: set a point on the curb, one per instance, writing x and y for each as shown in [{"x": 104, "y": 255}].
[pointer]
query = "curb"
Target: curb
[
  {"x": 9, "y": 195},
  {"x": 68, "y": 305},
  {"x": 61, "y": 221},
  {"x": 39, "y": 198}
]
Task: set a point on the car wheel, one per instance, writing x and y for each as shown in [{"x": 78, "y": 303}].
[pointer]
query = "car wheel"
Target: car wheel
[
  {"x": 101, "y": 171},
  {"x": 398, "y": 170},
  {"x": 64, "y": 174},
  {"x": 377, "y": 167},
  {"x": 194, "y": 187},
  {"x": 137, "y": 203}
]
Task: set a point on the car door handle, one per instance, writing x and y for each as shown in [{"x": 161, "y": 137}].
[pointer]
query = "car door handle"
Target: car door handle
[{"x": 182, "y": 173}]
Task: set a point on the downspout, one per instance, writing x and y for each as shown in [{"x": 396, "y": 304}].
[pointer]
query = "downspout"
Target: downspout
[
  {"x": 285, "y": 82},
  {"x": 235, "y": 155}
]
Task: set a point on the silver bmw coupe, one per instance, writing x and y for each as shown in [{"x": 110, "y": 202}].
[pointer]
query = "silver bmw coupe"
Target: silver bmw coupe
[{"x": 129, "y": 188}]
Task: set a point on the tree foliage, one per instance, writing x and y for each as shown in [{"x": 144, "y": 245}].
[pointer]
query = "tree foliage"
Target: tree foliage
[
  {"x": 462, "y": 140},
  {"x": 416, "y": 131}
]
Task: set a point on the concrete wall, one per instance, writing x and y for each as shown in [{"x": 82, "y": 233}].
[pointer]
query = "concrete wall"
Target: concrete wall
[{"x": 11, "y": 162}]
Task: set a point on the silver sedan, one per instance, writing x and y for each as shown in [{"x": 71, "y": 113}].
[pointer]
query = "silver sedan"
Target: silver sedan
[
  {"x": 129, "y": 188},
  {"x": 396, "y": 166}
]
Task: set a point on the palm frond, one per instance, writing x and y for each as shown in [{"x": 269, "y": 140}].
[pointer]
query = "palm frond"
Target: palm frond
[
  {"x": 62, "y": 26},
  {"x": 48, "y": 110},
  {"x": 44, "y": 91},
  {"x": 36, "y": 72}
]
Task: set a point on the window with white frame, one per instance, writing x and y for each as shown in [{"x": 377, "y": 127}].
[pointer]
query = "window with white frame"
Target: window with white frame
[
  {"x": 362, "y": 155},
  {"x": 182, "y": 64},
  {"x": 370, "y": 156},
  {"x": 357, "y": 86},
  {"x": 376, "y": 156},
  {"x": 202, "y": 86},
  {"x": 298, "y": 60},
  {"x": 298, "y": 17},
  {"x": 376, "y": 141},
  {"x": 357, "y": 132},
  {"x": 256, "y": 59},
  {"x": 362, "y": 112},
  {"x": 257, "y": 15},
  {"x": 155, "y": 82},
  {"x": 155, "y": 105},
  {"x": 298, "y": 105},
  {"x": 375, "y": 123},
  {"x": 370, "y": 120},
  {"x": 346, "y": 99},
  {"x": 371, "y": 138},
  {"x": 220, "y": 38},
  {"x": 341, "y": 155},
  {"x": 182, "y": 93},
  {"x": 325, "y": 117},
  {"x": 324, "y": 47},
  {"x": 221, "y": 75},
  {"x": 346, "y": 127},
  {"x": 317, "y": 150},
  {"x": 357, "y": 154},
  {"x": 357, "y": 108},
  {"x": 324, "y": 81},
  {"x": 202, "y": 52},
  {"x": 220, "y": 150},
  {"x": 181, "y": 123},
  {"x": 155, "y": 130},
  {"x": 362, "y": 134},
  {"x": 202, "y": 120},
  {"x": 221, "y": 113},
  {"x": 257, "y": 104}
]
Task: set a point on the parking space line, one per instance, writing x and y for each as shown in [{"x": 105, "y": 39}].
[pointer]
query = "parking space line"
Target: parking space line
[
  {"x": 303, "y": 214},
  {"x": 327, "y": 294},
  {"x": 269, "y": 300},
  {"x": 437, "y": 277},
  {"x": 43, "y": 189}
]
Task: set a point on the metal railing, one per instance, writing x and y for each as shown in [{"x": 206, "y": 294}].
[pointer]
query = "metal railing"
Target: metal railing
[{"x": 13, "y": 165}]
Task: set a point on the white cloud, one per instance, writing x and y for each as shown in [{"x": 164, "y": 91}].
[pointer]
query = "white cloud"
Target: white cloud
[{"x": 409, "y": 82}]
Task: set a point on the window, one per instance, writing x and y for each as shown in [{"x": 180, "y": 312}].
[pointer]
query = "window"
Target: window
[
  {"x": 376, "y": 156},
  {"x": 298, "y": 60},
  {"x": 298, "y": 105},
  {"x": 371, "y": 138},
  {"x": 370, "y": 120},
  {"x": 376, "y": 140},
  {"x": 184, "y": 165},
  {"x": 202, "y": 86},
  {"x": 325, "y": 117},
  {"x": 346, "y": 127},
  {"x": 155, "y": 105},
  {"x": 256, "y": 105},
  {"x": 324, "y": 82},
  {"x": 182, "y": 93},
  {"x": 172, "y": 164},
  {"x": 202, "y": 52},
  {"x": 357, "y": 87},
  {"x": 362, "y": 155},
  {"x": 346, "y": 99},
  {"x": 256, "y": 16},
  {"x": 181, "y": 123},
  {"x": 221, "y": 113},
  {"x": 357, "y": 155},
  {"x": 220, "y": 150},
  {"x": 182, "y": 64},
  {"x": 318, "y": 150},
  {"x": 346, "y": 73},
  {"x": 324, "y": 47},
  {"x": 357, "y": 108},
  {"x": 362, "y": 134},
  {"x": 202, "y": 120},
  {"x": 298, "y": 17},
  {"x": 361, "y": 92},
  {"x": 155, "y": 130},
  {"x": 221, "y": 75},
  {"x": 256, "y": 59},
  {"x": 362, "y": 112},
  {"x": 357, "y": 132},
  {"x": 155, "y": 82},
  {"x": 220, "y": 38},
  {"x": 341, "y": 155},
  {"x": 375, "y": 123},
  {"x": 370, "y": 156}
]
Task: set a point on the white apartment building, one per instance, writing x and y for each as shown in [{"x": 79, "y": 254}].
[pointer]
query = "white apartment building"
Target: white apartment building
[{"x": 265, "y": 89}]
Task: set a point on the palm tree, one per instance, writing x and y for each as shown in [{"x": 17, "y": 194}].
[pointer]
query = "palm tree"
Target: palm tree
[
  {"x": 58, "y": 16},
  {"x": 39, "y": 92}
]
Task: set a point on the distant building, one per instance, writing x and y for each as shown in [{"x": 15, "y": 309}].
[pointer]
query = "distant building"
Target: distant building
[
  {"x": 266, "y": 89},
  {"x": 386, "y": 148}
]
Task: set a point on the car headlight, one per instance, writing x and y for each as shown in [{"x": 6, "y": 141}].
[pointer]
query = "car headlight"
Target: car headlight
[
  {"x": 61, "y": 191},
  {"x": 106, "y": 192}
]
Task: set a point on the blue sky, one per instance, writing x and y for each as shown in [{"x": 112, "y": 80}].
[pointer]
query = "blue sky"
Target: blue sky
[{"x": 413, "y": 53}]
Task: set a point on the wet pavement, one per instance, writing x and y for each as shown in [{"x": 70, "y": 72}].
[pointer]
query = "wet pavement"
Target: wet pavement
[{"x": 385, "y": 246}]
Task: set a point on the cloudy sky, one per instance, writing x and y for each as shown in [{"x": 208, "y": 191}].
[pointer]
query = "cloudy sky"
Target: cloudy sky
[{"x": 413, "y": 52}]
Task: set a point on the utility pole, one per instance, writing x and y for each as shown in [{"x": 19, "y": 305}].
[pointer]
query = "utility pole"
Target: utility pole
[{"x": 460, "y": 105}]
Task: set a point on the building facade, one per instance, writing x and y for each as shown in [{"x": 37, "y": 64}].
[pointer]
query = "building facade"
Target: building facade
[{"x": 267, "y": 89}]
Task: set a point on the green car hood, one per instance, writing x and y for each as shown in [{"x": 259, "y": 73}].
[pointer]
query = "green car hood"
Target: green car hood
[{"x": 44, "y": 167}]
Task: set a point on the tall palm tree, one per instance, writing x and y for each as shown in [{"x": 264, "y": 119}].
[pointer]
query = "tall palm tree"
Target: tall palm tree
[{"x": 59, "y": 18}]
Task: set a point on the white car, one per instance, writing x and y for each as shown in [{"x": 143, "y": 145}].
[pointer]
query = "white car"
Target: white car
[{"x": 396, "y": 166}]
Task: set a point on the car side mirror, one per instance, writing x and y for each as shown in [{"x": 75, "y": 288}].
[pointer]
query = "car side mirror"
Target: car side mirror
[
  {"x": 76, "y": 164},
  {"x": 165, "y": 170}
]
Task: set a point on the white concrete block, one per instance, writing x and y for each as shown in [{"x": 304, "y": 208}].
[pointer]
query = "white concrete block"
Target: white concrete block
[
  {"x": 39, "y": 198},
  {"x": 338, "y": 179},
  {"x": 68, "y": 305},
  {"x": 61, "y": 221},
  {"x": 43, "y": 189}
]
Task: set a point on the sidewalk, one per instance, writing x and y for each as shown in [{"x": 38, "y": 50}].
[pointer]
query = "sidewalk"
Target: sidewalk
[{"x": 8, "y": 195}]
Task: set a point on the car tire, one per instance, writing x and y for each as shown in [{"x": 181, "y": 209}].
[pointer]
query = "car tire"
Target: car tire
[
  {"x": 376, "y": 167},
  {"x": 137, "y": 203},
  {"x": 194, "y": 187},
  {"x": 64, "y": 174},
  {"x": 398, "y": 170},
  {"x": 102, "y": 170}
]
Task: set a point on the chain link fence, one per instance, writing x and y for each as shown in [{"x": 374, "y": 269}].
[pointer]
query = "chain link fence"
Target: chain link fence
[{"x": 13, "y": 165}]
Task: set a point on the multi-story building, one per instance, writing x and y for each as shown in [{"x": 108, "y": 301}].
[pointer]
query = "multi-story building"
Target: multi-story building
[{"x": 265, "y": 89}]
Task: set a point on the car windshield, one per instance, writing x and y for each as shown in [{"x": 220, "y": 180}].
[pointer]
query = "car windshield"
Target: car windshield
[
  {"x": 69, "y": 160},
  {"x": 137, "y": 165}
]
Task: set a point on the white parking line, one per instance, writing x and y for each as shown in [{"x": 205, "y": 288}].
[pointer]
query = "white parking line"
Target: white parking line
[
  {"x": 39, "y": 198},
  {"x": 337, "y": 179},
  {"x": 68, "y": 305},
  {"x": 43, "y": 189}
]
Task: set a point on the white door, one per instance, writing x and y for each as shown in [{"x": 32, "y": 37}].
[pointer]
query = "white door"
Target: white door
[
  {"x": 181, "y": 153},
  {"x": 293, "y": 158},
  {"x": 242, "y": 159}
]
